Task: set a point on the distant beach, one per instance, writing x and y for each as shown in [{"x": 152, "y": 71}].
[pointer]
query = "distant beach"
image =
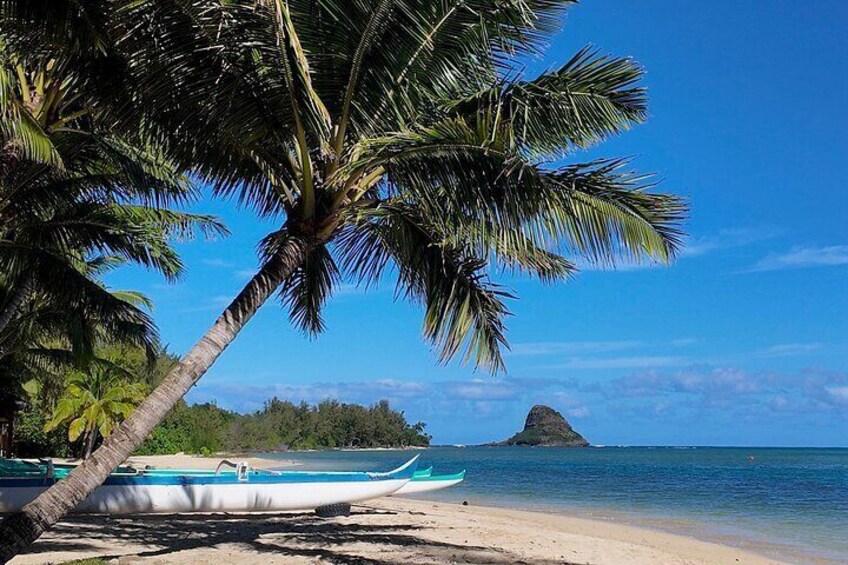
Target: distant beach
[{"x": 187, "y": 461}]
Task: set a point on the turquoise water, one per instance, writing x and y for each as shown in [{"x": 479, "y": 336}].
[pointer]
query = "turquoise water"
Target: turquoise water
[{"x": 790, "y": 503}]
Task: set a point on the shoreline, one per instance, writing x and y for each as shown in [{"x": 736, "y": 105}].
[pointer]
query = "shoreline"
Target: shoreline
[
  {"x": 730, "y": 537},
  {"x": 694, "y": 530}
]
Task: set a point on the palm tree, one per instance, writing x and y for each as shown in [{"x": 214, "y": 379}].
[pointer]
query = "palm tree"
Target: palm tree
[
  {"x": 69, "y": 186},
  {"x": 48, "y": 338},
  {"x": 77, "y": 194},
  {"x": 95, "y": 401},
  {"x": 389, "y": 138}
]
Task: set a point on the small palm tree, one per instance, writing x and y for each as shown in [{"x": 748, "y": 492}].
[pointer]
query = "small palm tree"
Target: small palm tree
[
  {"x": 95, "y": 401},
  {"x": 388, "y": 138},
  {"x": 48, "y": 340}
]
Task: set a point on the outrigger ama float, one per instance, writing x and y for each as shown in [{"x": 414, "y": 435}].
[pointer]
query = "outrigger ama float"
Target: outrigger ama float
[
  {"x": 133, "y": 491},
  {"x": 425, "y": 481}
]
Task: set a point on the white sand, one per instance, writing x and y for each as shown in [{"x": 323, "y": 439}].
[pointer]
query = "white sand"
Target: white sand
[{"x": 385, "y": 532}]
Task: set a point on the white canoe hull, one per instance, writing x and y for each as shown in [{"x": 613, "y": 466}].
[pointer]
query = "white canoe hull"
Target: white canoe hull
[
  {"x": 263, "y": 492},
  {"x": 245, "y": 497}
]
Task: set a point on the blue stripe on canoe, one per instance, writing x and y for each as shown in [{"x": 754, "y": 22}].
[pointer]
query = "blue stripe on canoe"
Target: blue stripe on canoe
[
  {"x": 228, "y": 479},
  {"x": 288, "y": 477}
]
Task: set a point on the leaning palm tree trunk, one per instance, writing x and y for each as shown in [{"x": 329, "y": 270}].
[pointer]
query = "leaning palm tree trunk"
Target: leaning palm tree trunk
[{"x": 19, "y": 530}]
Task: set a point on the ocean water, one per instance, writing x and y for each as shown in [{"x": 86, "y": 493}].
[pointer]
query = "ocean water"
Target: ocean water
[{"x": 787, "y": 503}]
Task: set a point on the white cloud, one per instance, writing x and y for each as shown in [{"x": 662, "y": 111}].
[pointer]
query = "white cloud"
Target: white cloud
[
  {"x": 479, "y": 390},
  {"x": 838, "y": 393},
  {"x": 216, "y": 262},
  {"x": 731, "y": 390},
  {"x": 638, "y": 362},
  {"x": 713, "y": 382},
  {"x": 214, "y": 303},
  {"x": 725, "y": 239},
  {"x": 729, "y": 396},
  {"x": 803, "y": 257},
  {"x": 685, "y": 341},
  {"x": 570, "y": 347},
  {"x": 788, "y": 349},
  {"x": 579, "y": 412}
]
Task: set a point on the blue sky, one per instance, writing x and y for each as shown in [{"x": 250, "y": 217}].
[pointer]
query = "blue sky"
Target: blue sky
[{"x": 743, "y": 342}]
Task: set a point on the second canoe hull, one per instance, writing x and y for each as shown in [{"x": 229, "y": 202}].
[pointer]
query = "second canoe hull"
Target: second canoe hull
[{"x": 430, "y": 483}]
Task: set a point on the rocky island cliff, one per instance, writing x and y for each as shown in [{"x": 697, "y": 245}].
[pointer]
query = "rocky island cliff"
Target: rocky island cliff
[{"x": 545, "y": 427}]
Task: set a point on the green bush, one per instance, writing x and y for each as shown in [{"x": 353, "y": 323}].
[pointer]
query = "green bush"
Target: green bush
[
  {"x": 207, "y": 429},
  {"x": 161, "y": 442}
]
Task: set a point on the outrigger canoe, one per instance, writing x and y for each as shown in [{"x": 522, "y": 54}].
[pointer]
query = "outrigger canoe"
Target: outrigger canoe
[
  {"x": 426, "y": 481},
  {"x": 244, "y": 490}
]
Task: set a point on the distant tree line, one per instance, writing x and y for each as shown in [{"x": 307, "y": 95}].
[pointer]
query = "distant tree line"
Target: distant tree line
[
  {"x": 207, "y": 428},
  {"x": 70, "y": 412},
  {"x": 280, "y": 425}
]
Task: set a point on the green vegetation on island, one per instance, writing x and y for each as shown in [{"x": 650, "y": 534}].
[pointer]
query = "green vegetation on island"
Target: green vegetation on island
[
  {"x": 280, "y": 425},
  {"x": 545, "y": 427}
]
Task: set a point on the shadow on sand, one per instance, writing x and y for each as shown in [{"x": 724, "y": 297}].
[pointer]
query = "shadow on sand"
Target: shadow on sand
[{"x": 302, "y": 535}]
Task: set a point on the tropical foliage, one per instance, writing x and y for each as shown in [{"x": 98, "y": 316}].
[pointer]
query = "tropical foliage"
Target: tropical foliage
[
  {"x": 77, "y": 198},
  {"x": 399, "y": 138},
  {"x": 38, "y": 429},
  {"x": 62, "y": 412},
  {"x": 206, "y": 428},
  {"x": 94, "y": 402},
  {"x": 31, "y": 440}
]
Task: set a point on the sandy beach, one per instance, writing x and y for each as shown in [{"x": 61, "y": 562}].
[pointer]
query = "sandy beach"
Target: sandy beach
[{"x": 383, "y": 532}]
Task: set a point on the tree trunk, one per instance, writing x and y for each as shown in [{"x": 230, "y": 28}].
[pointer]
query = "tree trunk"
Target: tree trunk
[
  {"x": 18, "y": 531},
  {"x": 15, "y": 302}
]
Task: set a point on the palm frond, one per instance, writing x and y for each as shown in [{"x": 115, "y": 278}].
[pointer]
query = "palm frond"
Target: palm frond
[
  {"x": 586, "y": 100},
  {"x": 19, "y": 131},
  {"x": 463, "y": 308},
  {"x": 604, "y": 210},
  {"x": 308, "y": 106},
  {"x": 445, "y": 51},
  {"x": 476, "y": 170},
  {"x": 308, "y": 289}
]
